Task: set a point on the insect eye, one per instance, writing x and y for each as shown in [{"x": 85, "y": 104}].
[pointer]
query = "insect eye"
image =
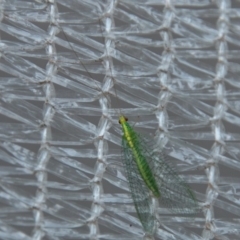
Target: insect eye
[{"x": 126, "y": 119}]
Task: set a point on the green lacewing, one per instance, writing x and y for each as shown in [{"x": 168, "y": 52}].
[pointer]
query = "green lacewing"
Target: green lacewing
[{"x": 150, "y": 175}]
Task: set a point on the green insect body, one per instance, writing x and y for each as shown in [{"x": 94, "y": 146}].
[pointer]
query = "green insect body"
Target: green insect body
[{"x": 149, "y": 175}]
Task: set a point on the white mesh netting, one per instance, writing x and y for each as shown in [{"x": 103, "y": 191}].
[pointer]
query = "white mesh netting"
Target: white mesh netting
[{"x": 70, "y": 67}]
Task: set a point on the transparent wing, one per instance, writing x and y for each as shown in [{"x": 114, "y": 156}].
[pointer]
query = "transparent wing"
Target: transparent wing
[
  {"x": 139, "y": 191},
  {"x": 176, "y": 195}
]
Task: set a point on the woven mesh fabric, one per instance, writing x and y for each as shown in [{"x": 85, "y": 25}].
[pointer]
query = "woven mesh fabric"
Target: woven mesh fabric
[{"x": 69, "y": 68}]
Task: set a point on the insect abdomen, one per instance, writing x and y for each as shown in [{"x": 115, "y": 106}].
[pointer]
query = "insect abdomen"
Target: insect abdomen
[{"x": 147, "y": 174}]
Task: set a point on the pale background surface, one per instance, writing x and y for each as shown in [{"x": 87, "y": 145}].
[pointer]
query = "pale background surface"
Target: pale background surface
[{"x": 176, "y": 68}]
